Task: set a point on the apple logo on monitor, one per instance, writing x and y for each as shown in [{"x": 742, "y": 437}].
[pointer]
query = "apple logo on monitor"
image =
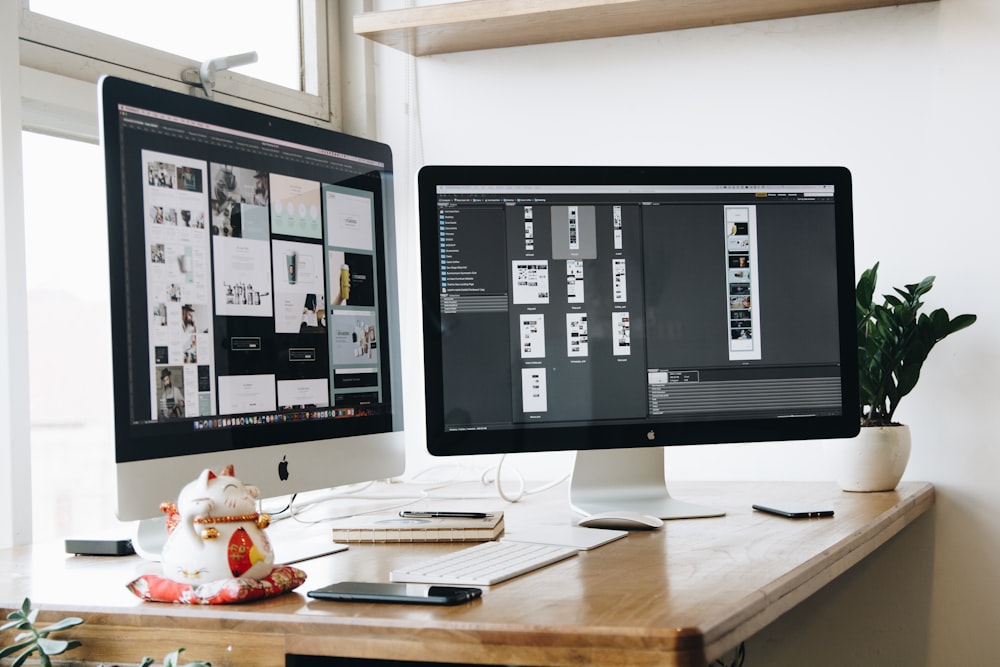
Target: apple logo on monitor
[
  {"x": 283, "y": 469},
  {"x": 651, "y": 435}
]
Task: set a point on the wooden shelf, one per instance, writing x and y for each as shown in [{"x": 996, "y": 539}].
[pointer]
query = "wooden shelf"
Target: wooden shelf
[{"x": 488, "y": 24}]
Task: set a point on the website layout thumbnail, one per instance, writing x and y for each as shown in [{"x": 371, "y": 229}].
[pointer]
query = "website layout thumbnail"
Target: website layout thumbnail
[{"x": 261, "y": 291}]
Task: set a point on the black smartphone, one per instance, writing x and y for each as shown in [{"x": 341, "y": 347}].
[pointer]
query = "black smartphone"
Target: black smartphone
[
  {"x": 795, "y": 512},
  {"x": 361, "y": 591}
]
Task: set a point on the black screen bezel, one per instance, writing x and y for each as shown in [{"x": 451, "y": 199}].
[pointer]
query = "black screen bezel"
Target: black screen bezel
[
  {"x": 136, "y": 442},
  {"x": 442, "y": 442}
]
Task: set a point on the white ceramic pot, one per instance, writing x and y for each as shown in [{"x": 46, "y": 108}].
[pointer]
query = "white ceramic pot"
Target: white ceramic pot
[{"x": 872, "y": 461}]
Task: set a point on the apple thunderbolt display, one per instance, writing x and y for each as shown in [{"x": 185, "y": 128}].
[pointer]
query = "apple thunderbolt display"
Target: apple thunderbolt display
[
  {"x": 618, "y": 310},
  {"x": 254, "y": 299}
]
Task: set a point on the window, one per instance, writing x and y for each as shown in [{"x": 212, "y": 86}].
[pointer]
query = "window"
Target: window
[
  {"x": 65, "y": 228},
  {"x": 290, "y": 36},
  {"x": 200, "y": 30},
  {"x": 69, "y": 351}
]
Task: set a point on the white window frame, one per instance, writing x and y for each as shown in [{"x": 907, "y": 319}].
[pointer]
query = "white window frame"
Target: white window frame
[
  {"x": 61, "y": 48},
  {"x": 48, "y": 75},
  {"x": 15, "y": 452}
]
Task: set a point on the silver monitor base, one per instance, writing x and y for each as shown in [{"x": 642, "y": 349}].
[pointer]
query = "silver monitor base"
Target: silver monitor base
[
  {"x": 627, "y": 479},
  {"x": 150, "y": 536}
]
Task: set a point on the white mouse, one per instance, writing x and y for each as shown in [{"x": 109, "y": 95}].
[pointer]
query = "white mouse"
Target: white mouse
[{"x": 621, "y": 520}]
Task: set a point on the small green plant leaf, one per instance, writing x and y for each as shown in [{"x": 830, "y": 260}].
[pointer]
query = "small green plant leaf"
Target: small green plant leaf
[
  {"x": 67, "y": 622},
  {"x": 21, "y": 659},
  {"x": 37, "y": 641},
  {"x": 34, "y": 640},
  {"x": 173, "y": 660},
  {"x": 8, "y": 626},
  {"x": 13, "y": 648},
  {"x": 56, "y": 646}
]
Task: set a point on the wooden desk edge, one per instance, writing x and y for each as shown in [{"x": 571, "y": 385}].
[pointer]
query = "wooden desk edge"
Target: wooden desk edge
[{"x": 256, "y": 644}]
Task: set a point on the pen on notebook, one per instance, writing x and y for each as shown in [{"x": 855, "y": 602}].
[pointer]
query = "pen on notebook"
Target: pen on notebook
[{"x": 443, "y": 515}]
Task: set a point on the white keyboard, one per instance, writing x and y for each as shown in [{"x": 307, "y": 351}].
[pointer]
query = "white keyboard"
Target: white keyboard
[{"x": 483, "y": 564}]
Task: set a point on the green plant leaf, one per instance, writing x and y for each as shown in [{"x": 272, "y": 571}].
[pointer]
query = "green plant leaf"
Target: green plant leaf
[
  {"x": 896, "y": 302},
  {"x": 866, "y": 287},
  {"x": 11, "y": 624},
  {"x": 34, "y": 640},
  {"x": 21, "y": 659},
  {"x": 173, "y": 660},
  {"x": 56, "y": 646},
  {"x": 957, "y": 323},
  {"x": 62, "y": 624},
  {"x": 922, "y": 287},
  {"x": 14, "y": 648}
]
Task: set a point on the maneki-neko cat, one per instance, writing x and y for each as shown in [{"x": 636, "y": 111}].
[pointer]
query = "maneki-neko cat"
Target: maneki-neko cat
[{"x": 216, "y": 531}]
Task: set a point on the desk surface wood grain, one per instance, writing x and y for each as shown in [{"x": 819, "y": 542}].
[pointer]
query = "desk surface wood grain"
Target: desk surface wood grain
[{"x": 682, "y": 595}]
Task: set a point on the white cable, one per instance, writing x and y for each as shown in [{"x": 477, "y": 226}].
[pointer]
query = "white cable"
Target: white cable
[
  {"x": 522, "y": 484},
  {"x": 520, "y": 478},
  {"x": 429, "y": 490}
]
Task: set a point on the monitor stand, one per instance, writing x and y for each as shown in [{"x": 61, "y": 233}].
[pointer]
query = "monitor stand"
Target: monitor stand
[
  {"x": 627, "y": 480},
  {"x": 150, "y": 536}
]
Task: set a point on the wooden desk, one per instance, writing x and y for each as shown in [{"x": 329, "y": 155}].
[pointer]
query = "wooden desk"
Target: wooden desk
[{"x": 683, "y": 595}]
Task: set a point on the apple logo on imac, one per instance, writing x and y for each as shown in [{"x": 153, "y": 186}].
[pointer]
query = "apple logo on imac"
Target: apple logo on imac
[{"x": 283, "y": 469}]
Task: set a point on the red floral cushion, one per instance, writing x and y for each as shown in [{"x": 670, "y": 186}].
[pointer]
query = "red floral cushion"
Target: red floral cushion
[{"x": 154, "y": 588}]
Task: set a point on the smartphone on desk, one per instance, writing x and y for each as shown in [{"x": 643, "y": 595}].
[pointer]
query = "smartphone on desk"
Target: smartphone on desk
[
  {"x": 795, "y": 512},
  {"x": 363, "y": 591}
]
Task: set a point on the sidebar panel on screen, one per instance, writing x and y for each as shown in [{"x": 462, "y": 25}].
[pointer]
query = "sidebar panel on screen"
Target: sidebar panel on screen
[{"x": 474, "y": 316}]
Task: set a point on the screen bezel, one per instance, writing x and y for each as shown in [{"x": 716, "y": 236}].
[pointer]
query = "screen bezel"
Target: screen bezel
[{"x": 442, "y": 442}]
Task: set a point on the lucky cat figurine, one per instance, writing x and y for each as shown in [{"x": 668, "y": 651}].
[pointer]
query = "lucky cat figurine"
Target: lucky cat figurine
[{"x": 216, "y": 531}]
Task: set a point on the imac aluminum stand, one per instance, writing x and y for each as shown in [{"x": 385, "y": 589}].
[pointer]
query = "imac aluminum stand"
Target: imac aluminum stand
[
  {"x": 627, "y": 479},
  {"x": 150, "y": 536}
]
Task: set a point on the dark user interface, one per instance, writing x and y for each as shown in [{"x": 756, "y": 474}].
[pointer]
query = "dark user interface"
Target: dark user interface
[{"x": 587, "y": 306}]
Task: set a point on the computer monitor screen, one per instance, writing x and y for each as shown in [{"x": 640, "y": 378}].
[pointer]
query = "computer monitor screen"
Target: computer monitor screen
[
  {"x": 615, "y": 310},
  {"x": 254, "y": 301}
]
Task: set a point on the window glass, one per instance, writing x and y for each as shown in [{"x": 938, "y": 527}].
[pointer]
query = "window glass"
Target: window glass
[
  {"x": 198, "y": 29},
  {"x": 69, "y": 347}
]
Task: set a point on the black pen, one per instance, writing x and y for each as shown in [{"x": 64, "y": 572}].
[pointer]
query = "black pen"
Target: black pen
[{"x": 443, "y": 515}]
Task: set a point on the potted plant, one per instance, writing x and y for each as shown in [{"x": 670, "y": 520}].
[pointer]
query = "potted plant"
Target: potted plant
[
  {"x": 34, "y": 639},
  {"x": 894, "y": 339}
]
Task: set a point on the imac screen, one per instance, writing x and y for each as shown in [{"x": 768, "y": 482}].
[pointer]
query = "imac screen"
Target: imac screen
[
  {"x": 253, "y": 298},
  {"x": 615, "y": 308}
]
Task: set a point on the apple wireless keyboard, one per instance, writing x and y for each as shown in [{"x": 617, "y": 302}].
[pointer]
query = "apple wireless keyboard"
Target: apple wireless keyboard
[{"x": 483, "y": 564}]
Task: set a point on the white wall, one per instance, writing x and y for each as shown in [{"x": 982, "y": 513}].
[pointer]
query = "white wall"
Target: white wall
[{"x": 909, "y": 99}]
